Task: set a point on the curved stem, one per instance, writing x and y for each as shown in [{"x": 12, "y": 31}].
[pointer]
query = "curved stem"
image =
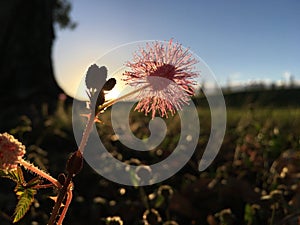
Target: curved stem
[
  {"x": 91, "y": 120},
  {"x": 86, "y": 133},
  {"x": 41, "y": 173},
  {"x": 59, "y": 200},
  {"x": 66, "y": 190},
  {"x": 67, "y": 204},
  {"x": 113, "y": 101}
]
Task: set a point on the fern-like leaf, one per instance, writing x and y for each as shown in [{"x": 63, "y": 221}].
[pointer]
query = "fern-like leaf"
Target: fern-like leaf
[
  {"x": 15, "y": 175},
  {"x": 25, "y": 197}
]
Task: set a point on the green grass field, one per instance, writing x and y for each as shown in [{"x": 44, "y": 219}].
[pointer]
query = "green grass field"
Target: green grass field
[{"x": 254, "y": 180}]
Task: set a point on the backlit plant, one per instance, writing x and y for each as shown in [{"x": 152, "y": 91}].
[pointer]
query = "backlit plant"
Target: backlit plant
[{"x": 168, "y": 61}]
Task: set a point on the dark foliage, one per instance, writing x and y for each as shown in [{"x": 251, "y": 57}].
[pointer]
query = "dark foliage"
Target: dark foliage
[{"x": 254, "y": 179}]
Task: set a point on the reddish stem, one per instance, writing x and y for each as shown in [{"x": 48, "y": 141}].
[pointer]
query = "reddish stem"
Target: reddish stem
[
  {"x": 41, "y": 173},
  {"x": 67, "y": 204},
  {"x": 60, "y": 198}
]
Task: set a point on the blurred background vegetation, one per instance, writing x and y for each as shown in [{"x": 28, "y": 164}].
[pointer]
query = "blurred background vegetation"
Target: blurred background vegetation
[{"x": 254, "y": 179}]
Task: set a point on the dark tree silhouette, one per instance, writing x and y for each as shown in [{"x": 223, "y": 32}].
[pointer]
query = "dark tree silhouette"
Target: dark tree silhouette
[{"x": 26, "y": 38}]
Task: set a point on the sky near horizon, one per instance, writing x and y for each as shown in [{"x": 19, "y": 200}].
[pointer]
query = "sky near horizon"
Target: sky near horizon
[{"x": 239, "y": 40}]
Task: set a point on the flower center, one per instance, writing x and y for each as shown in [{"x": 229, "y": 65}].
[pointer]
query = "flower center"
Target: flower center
[
  {"x": 161, "y": 76},
  {"x": 166, "y": 71}
]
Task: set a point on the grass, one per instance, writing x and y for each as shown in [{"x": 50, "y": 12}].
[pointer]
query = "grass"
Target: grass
[{"x": 254, "y": 179}]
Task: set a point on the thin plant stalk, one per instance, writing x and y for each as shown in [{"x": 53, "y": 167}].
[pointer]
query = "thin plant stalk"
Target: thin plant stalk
[
  {"x": 66, "y": 207},
  {"x": 59, "y": 200},
  {"x": 40, "y": 172},
  {"x": 91, "y": 120},
  {"x": 113, "y": 101}
]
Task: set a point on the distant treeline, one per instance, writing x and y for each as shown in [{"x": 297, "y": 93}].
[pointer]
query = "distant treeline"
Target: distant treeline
[{"x": 262, "y": 98}]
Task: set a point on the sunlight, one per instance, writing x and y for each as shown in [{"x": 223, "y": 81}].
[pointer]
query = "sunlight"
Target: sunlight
[
  {"x": 72, "y": 81},
  {"x": 113, "y": 94}
]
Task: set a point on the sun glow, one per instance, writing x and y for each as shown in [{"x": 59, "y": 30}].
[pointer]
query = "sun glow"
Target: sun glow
[
  {"x": 113, "y": 94},
  {"x": 73, "y": 82}
]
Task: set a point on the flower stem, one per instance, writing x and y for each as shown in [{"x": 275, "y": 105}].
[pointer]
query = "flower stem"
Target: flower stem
[
  {"x": 40, "y": 172},
  {"x": 91, "y": 120},
  {"x": 60, "y": 198},
  {"x": 113, "y": 101},
  {"x": 67, "y": 204},
  {"x": 66, "y": 190},
  {"x": 86, "y": 133}
]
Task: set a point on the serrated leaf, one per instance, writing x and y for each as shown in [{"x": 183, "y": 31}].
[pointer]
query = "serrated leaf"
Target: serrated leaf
[
  {"x": 25, "y": 197},
  {"x": 33, "y": 182},
  {"x": 15, "y": 175}
]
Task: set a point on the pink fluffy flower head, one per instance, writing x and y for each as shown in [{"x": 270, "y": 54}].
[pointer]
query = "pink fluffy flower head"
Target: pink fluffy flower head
[
  {"x": 166, "y": 70},
  {"x": 11, "y": 152}
]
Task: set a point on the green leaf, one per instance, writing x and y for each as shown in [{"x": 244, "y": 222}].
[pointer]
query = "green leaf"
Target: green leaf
[
  {"x": 15, "y": 175},
  {"x": 134, "y": 179},
  {"x": 159, "y": 201},
  {"x": 25, "y": 197},
  {"x": 33, "y": 182},
  {"x": 249, "y": 214}
]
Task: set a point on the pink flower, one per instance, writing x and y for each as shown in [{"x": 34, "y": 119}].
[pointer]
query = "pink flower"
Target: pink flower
[
  {"x": 11, "y": 152},
  {"x": 165, "y": 70}
]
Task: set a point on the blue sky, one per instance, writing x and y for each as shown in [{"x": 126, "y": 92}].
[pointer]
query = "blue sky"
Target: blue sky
[{"x": 239, "y": 40}]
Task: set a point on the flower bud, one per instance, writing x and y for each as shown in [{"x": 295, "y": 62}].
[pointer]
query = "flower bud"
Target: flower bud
[
  {"x": 95, "y": 77},
  {"x": 109, "y": 84},
  {"x": 75, "y": 162}
]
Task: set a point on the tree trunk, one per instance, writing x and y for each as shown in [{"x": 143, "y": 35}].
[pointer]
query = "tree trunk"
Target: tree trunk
[{"x": 26, "y": 73}]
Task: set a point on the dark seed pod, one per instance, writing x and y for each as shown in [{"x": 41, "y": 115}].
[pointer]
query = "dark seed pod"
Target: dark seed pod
[
  {"x": 75, "y": 162},
  {"x": 109, "y": 84}
]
